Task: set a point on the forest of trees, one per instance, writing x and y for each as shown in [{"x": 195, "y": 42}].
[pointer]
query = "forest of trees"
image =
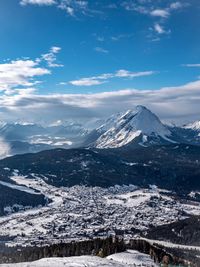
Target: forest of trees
[{"x": 101, "y": 247}]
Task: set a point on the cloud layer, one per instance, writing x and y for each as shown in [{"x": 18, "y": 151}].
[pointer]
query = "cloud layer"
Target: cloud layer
[{"x": 174, "y": 104}]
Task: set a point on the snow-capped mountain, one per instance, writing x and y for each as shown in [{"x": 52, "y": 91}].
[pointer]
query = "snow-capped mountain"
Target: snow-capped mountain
[
  {"x": 193, "y": 126},
  {"x": 188, "y": 134},
  {"x": 139, "y": 124}
]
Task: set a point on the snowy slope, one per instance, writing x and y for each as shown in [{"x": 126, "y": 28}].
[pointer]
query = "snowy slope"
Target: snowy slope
[
  {"x": 132, "y": 258},
  {"x": 125, "y": 127}
]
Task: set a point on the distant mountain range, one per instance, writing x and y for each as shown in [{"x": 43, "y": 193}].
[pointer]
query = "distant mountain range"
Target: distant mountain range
[
  {"x": 137, "y": 127},
  {"x": 21, "y": 138}
]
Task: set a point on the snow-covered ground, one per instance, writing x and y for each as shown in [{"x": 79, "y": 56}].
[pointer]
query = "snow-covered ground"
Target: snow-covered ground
[
  {"x": 130, "y": 258},
  {"x": 19, "y": 187},
  {"x": 80, "y": 212}
]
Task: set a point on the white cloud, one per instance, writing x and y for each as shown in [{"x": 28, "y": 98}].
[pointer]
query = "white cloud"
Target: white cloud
[
  {"x": 86, "y": 82},
  {"x": 177, "y": 5},
  {"x": 50, "y": 57},
  {"x": 74, "y": 6},
  {"x": 26, "y": 91},
  {"x": 119, "y": 37},
  {"x": 55, "y": 49},
  {"x": 129, "y": 74},
  {"x": 17, "y": 76},
  {"x": 160, "y": 13},
  {"x": 62, "y": 83},
  {"x": 191, "y": 65},
  {"x": 18, "y": 73},
  {"x": 100, "y": 38},
  {"x": 70, "y": 10},
  {"x": 97, "y": 80},
  {"x": 166, "y": 12},
  {"x": 101, "y": 50},
  {"x": 38, "y": 2},
  {"x": 159, "y": 29}
]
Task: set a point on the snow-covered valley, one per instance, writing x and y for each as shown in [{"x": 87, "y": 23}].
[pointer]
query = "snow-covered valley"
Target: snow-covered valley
[{"x": 80, "y": 212}]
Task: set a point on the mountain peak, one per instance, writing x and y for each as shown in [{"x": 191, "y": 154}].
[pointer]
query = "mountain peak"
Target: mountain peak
[
  {"x": 123, "y": 128},
  {"x": 138, "y": 108},
  {"x": 141, "y": 108}
]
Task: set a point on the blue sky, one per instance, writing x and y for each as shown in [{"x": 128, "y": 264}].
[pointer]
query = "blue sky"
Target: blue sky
[{"x": 79, "y": 47}]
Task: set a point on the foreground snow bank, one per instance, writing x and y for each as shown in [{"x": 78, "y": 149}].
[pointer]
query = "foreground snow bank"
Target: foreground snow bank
[
  {"x": 82, "y": 261},
  {"x": 130, "y": 258}
]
